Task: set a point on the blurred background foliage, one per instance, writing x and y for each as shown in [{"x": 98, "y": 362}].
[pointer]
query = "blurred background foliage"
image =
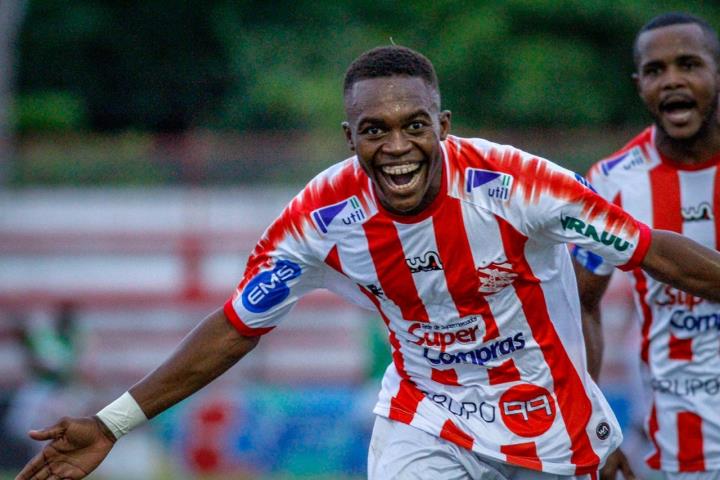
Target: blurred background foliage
[{"x": 123, "y": 71}]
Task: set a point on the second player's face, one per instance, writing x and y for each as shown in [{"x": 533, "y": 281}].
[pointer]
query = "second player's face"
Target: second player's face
[
  {"x": 677, "y": 79},
  {"x": 395, "y": 127}
]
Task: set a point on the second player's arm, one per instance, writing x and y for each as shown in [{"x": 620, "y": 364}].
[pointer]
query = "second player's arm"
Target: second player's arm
[{"x": 591, "y": 289}]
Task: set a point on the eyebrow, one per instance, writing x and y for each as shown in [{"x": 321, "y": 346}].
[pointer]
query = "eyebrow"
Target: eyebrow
[{"x": 417, "y": 113}]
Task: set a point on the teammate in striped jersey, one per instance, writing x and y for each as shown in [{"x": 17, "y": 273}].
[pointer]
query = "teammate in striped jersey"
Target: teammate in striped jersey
[
  {"x": 668, "y": 177},
  {"x": 459, "y": 245}
]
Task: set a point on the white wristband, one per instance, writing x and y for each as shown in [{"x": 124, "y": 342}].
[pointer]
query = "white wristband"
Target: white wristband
[{"x": 122, "y": 415}]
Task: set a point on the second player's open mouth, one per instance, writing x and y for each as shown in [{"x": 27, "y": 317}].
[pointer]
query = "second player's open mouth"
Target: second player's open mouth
[
  {"x": 403, "y": 178},
  {"x": 678, "y": 111}
]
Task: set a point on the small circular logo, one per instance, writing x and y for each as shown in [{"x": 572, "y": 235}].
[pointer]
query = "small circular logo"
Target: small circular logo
[
  {"x": 602, "y": 430},
  {"x": 527, "y": 410}
]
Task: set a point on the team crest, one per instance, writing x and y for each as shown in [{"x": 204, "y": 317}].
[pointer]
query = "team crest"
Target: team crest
[{"x": 495, "y": 276}]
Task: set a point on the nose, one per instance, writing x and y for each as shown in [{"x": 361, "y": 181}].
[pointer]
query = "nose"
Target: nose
[
  {"x": 397, "y": 144},
  {"x": 673, "y": 77}
]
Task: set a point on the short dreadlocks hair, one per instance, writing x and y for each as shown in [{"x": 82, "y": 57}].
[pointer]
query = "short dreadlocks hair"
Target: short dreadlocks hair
[
  {"x": 388, "y": 61},
  {"x": 680, "y": 18}
]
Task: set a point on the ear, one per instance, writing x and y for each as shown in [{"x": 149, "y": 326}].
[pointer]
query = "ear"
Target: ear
[
  {"x": 348, "y": 135},
  {"x": 444, "y": 118},
  {"x": 636, "y": 80}
]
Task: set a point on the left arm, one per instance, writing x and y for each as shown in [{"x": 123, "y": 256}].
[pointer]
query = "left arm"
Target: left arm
[{"x": 683, "y": 264}]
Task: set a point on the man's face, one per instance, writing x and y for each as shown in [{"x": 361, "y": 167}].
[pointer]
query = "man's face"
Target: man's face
[
  {"x": 395, "y": 127},
  {"x": 677, "y": 79}
]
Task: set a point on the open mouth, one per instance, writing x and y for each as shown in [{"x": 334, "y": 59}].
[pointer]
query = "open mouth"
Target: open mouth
[
  {"x": 678, "y": 110},
  {"x": 404, "y": 177}
]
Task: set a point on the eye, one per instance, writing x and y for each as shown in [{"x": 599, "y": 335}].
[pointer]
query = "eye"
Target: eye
[
  {"x": 416, "y": 125},
  {"x": 371, "y": 130}
]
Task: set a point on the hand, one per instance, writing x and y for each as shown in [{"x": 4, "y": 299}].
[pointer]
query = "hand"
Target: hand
[
  {"x": 616, "y": 461},
  {"x": 77, "y": 447}
]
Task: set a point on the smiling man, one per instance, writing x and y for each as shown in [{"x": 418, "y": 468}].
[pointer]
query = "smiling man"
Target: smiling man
[
  {"x": 668, "y": 177},
  {"x": 459, "y": 245}
]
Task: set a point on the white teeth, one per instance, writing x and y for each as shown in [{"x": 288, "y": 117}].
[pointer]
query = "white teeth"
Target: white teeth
[{"x": 400, "y": 169}]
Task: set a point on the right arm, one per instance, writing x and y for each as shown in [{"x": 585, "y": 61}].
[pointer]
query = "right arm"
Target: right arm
[{"x": 78, "y": 445}]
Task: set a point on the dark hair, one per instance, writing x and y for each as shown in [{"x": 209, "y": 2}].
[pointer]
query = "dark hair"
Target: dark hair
[
  {"x": 680, "y": 18},
  {"x": 388, "y": 61}
]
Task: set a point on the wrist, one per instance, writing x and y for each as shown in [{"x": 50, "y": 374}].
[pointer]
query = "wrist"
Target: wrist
[{"x": 121, "y": 416}]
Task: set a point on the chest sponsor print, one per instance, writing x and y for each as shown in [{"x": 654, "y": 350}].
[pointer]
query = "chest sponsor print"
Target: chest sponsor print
[{"x": 527, "y": 410}]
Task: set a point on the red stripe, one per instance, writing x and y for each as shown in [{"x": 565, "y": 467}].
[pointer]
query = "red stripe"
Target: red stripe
[
  {"x": 665, "y": 192},
  {"x": 453, "y": 433},
  {"x": 716, "y": 207},
  {"x": 403, "y": 405},
  {"x": 446, "y": 377},
  {"x": 641, "y": 288},
  {"x": 234, "y": 319},
  {"x": 333, "y": 260},
  {"x": 459, "y": 266},
  {"x": 653, "y": 460},
  {"x": 522, "y": 454},
  {"x": 395, "y": 278},
  {"x": 690, "y": 442},
  {"x": 569, "y": 390},
  {"x": 680, "y": 348},
  {"x": 506, "y": 372},
  {"x": 641, "y": 250}
]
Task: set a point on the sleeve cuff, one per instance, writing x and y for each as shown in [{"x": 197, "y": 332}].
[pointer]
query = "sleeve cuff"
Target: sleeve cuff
[
  {"x": 641, "y": 250},
  {"x": 241, "y": 327}
]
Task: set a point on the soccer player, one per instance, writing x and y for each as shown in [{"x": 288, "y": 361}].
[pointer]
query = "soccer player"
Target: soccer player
[
  {"x": 459, "y": 244},
  {"x": 668, "y": 178}
]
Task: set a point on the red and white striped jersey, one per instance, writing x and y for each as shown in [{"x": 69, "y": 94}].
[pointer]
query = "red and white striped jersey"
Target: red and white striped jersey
[
  {"x": 680, "y": 332},
  {"x": 477, "y": 292}
]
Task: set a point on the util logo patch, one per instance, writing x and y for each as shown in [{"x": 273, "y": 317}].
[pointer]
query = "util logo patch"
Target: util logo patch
[
  {"x": 496, "y": 185},
  {"x": 527, "y": 410},
  {"x": 347, "y": 212}
]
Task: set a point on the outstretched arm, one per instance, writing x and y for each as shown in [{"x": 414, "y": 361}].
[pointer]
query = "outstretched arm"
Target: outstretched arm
[
  {"x": 79, "y": 445},
  {"x": 683, "y": 264}
]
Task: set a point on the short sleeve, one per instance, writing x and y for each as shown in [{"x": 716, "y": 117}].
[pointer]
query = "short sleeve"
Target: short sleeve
[
  {"x": 570, "y": 211},
  {"x": 280, "y": 271}
]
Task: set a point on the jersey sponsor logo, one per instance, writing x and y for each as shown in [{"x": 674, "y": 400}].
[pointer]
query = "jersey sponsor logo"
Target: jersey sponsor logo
[
  {"x": 269, "y": 288},
  {"x": 495, "y": 276},
  {"x": 591, "y": 261},
  {"x": 528, "y": 410},
  {"x": 589, "y": 231},
  {"x": 685, "y": 320},
  {"x": 697, "y": 213},
  {"x": 348, "y": 211},
  {"x": 428, "y": 262},
  {"x": 478, "y": 356},
  {"x": 584, "y": 181},
  {"x": 444, "y": 335},
  {"x": 630, "y": 159},
  {"x": 483, "y": 410},
  {"x": 496, "y": 185},
  {"x": 686, "y": 387},
  {"x": 671, "y": 297}
]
